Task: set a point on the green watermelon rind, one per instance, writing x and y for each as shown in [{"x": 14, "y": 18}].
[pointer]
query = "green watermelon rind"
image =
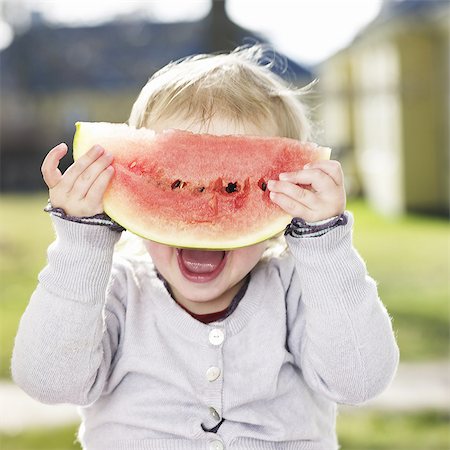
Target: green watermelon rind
[{"x": 81, "y": 144}]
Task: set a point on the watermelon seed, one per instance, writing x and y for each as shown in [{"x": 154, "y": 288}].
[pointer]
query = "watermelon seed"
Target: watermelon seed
[
  {"x": 201, "y": 189},
  {"x": 132, "y": 164},
  {"x": 262, "y": 184},
  {"x": 176, "y": 184},
  {"x": 232, "y": 187}
]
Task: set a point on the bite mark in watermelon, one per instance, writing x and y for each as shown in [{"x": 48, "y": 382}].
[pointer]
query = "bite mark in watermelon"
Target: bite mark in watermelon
[{"x": 195, "y": 190}]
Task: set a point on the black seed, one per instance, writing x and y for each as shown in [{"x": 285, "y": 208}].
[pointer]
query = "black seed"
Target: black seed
[
  {"x": 232, "y": 187},
  {"x": 262, "y": 184},
  {"x": 201, "y": 189},
  {"x": 176, "y": 184}
]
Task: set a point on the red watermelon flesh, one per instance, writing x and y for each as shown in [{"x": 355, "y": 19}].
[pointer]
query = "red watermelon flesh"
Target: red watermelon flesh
[{"x": 195, "y": 190}]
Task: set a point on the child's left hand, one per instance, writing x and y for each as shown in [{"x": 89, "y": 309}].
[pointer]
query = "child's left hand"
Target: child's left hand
[{"x": 324, "y": 200}]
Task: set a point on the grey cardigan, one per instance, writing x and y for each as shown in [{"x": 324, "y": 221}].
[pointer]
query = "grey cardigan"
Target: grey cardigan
[{"x": 105, "y": 334}]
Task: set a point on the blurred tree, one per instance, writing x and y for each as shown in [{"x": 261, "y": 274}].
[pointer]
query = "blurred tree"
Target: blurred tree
[{"x": 224, "y": 34}]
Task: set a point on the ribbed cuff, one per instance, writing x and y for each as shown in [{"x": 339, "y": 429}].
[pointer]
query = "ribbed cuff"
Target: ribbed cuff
[
  {"x": 299, "y": 228},
  {"x": 79, "y": 261},
  {"x": 98, "y": 219},
  {"x": 333, "y": 275}
]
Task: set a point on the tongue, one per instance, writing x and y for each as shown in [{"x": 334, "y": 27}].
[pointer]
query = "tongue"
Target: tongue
[{"x": 201, "y": 261}]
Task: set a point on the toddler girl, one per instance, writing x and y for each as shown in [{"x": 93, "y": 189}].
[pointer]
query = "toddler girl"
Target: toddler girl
[{"x": 191, "y": 349}]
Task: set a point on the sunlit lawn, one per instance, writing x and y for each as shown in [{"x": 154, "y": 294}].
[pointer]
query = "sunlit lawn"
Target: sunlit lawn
[
  {"x": 408, "y": 257},
  {"x": 363, "y": 431},
  {"x": 25, "y": 233}
]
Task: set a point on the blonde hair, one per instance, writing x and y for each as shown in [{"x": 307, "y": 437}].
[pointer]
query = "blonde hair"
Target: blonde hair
[{"x": 238, "y": 86}]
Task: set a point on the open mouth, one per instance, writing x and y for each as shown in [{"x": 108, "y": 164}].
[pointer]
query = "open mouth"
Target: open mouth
[{"x": 201, "y": 266}]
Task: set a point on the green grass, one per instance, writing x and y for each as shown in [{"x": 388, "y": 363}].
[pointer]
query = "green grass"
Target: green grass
[
  {"x": 407, "y": 256},
  {"x": 393, "y": 431},
  {"x": 63, "y": 438},
  {"x": 25, "y": 233},
  {"x": 357, "y": 431}
]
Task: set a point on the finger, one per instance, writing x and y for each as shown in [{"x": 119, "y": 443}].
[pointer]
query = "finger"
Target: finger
[
  {"x": 86, "y": 179},
  {"x": 79, "y": 166},
  {"x": 297, "y": 193},
  {"x": 330, "y": 167},
  {"x": 98, "y": 188},
  {"x": 318, "y": 179},
  {"x": 288, "y": 204},
  {"x": 50, "y": 172}
]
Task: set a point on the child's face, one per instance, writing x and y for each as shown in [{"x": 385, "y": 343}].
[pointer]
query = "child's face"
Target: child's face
[{"x": 206, "y": 281}]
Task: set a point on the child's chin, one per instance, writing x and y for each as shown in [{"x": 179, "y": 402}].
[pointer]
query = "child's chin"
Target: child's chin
[{"x": 201, "y": 294}]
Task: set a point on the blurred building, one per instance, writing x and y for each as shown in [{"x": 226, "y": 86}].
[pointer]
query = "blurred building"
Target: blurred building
[
  {"x": 52, "y": 77},
  {"x": 386, "y": 107}
]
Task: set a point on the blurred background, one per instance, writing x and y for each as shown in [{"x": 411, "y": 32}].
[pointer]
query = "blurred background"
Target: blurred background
[{"x": 382, "y": 103}]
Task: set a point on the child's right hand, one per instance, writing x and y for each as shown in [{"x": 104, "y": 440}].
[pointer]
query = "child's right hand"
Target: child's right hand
[{"x": 79, "y": 191}]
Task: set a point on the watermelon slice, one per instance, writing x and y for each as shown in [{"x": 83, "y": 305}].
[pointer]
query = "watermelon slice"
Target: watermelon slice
[{"x": 195, "y": 190}]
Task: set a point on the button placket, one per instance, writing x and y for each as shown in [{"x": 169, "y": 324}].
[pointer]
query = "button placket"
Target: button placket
[{"x": 214, "y": 380}]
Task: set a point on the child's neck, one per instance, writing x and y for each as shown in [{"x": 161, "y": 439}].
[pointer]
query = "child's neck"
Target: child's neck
[{"x": 211, "y": 306}]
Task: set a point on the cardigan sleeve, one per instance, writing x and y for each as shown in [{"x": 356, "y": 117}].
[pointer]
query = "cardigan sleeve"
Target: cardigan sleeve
[
  {"x": 67, "y": 336},
  {"x": 340, "y": 333}
]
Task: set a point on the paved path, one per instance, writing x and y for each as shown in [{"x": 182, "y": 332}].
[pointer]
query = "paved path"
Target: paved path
[{"x": 416, "y": 386}]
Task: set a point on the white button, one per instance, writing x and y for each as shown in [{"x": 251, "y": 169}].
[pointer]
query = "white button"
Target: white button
[
  {"x": 216, "y": 445},
  {"x": 215, "y": 415},
  {"x": 212, "y": 373},
  {"x": 216, "y": 336}
]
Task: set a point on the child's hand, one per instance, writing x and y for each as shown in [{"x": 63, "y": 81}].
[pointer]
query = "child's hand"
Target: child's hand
[
  {"x": 79, "y": 191},
  {"x": 326, "y": 198}
]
